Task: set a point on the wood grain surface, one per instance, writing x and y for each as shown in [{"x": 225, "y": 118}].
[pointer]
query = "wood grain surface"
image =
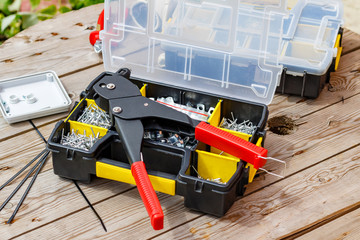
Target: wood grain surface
[{"x": 318, "y": 198}]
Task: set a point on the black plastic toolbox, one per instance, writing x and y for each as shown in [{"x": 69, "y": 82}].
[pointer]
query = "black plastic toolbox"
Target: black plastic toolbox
[
  {"x": 305, "y": 84},
  {"x": 176, "y": 168}
]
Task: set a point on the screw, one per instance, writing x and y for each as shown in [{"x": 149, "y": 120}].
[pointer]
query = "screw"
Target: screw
[
  {"x": 117, "y": 109},
  {"x": 110, "y": 86}
]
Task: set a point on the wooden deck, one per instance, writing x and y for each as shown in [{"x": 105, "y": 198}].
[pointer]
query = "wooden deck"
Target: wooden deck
[{"x": 318, "y": 199}]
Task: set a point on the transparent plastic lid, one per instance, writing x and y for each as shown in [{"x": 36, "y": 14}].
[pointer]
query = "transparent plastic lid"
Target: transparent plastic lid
[
  {"x": 223, "y": 47},
  {"x": 310, "y": 34}
]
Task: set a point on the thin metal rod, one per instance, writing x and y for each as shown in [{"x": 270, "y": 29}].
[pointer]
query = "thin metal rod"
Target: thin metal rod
[
  {"x": 20, "y": 184},
  {"x": 274, "y": 159},
  {"x": 37, "y": 130},
  {"x": 90, "y": 205},
  {"x": 43, "y": 160},
  {"x": 19, "y": 172},
  {"x": 274, "y": 174}
]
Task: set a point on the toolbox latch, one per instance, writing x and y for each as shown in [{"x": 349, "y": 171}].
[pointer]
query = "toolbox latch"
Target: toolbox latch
[
  {"x": 70, "y": 154},
  {"x": 199, "y": 186}
]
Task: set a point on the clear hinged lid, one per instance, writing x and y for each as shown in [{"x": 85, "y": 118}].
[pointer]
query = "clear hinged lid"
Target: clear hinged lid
[
  {"x": 222, "y": 47},
  {"x": 310, "y": 35}
]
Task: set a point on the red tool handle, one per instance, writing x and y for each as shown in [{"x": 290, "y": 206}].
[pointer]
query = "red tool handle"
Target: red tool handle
[
  {"x": 95, "y": 35},
  {"x": 231, "y": 144},
  {"x": 148, "y": 195}
]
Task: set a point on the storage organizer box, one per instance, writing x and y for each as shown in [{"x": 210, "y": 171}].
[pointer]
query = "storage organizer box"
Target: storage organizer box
[
  {"x": 311, "y": 46},
  {"x": 219, "y": 54},
  {"x": 172, "y": 170}
]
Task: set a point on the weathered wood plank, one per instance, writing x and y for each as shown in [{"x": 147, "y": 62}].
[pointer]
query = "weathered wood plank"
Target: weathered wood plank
[
  {"x": 346, "y": 227},
  {"x": 344, "y": 84},
  {"x": 297, "y": 202},
  {"x": 316, "y": 139},
  {"x": 125, "y": 218},
  {"x": 53, "y": 198},
  {"x": 37, "y": 49},
  {"x": 351, "y": 41},
  {"x": 18, "y": 151}
]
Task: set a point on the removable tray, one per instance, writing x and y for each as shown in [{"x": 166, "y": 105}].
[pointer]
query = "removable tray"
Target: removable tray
[{"x": 32, "y": 96}]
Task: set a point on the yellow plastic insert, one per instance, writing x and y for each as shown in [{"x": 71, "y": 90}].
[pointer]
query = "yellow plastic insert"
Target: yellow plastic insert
[
  {"x": 338, "y": 56},
  {"x": 74, "y": 109},
  {"x": 143, "y": 90},
  {"x": 214, "y": 119},
  {"x": 252, "y": 170},
  {"x": 213, "y": 166},
  {"x": 80, "y": 127},
  {"x": 120, "y": 174}
]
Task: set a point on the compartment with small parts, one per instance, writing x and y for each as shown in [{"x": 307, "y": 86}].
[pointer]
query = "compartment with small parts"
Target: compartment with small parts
[
  {"x": 246, "y": 120},
  {"x": 216, "y": 58},
  {"x": 176, "y": 162}
]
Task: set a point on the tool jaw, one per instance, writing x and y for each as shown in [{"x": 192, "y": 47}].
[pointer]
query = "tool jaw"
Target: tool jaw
[{"x": 115, "y": 94}]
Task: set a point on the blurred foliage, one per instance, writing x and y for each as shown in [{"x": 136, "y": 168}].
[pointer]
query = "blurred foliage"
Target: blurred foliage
[
  {"x": 77, "y": 4},
  {"x": 12, "y": 21}
]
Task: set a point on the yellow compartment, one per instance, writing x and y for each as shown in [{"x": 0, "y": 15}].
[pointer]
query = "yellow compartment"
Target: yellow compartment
[
  {"x": 119, "y": 174},
  {"x": 218, "y": 164},
  {"x": 80, "y": 127},
  {"x": 338, "y": 56},
  {"x": 214, "y": 119},
  {"x": 211, "y": 170},
  {"x": 143, "y": 90},
  {"x": 213, "y": 166}
]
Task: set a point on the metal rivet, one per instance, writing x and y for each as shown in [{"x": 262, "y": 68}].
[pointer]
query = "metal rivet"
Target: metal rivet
[
  {"x": 146, "y": 104},
  {"x": 117, "y": 109},
  {"x": 110, "y": 86}
]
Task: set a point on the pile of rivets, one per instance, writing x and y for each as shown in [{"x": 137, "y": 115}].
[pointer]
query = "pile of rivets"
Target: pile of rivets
[
  {"x": 80, "y": 141},
  {"x": 172, "y": 139},
  {"x": 95, "y": 116},
  {"x": 216, "y": 180},
  {"x": 245, "y": 127}
]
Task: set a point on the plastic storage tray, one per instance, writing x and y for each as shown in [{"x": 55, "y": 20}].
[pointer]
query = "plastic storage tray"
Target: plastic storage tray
[
  {"x": 32, "y": 96},
  {"x": 311, "y": 46},
  {"x": 172, "y": 169},
  {"x": 220, "y": 54}
]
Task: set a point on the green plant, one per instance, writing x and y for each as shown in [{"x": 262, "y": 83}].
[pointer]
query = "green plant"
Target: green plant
[
  {"x": 77, "y": 4},
  {"x": 12, "y": 21}
]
